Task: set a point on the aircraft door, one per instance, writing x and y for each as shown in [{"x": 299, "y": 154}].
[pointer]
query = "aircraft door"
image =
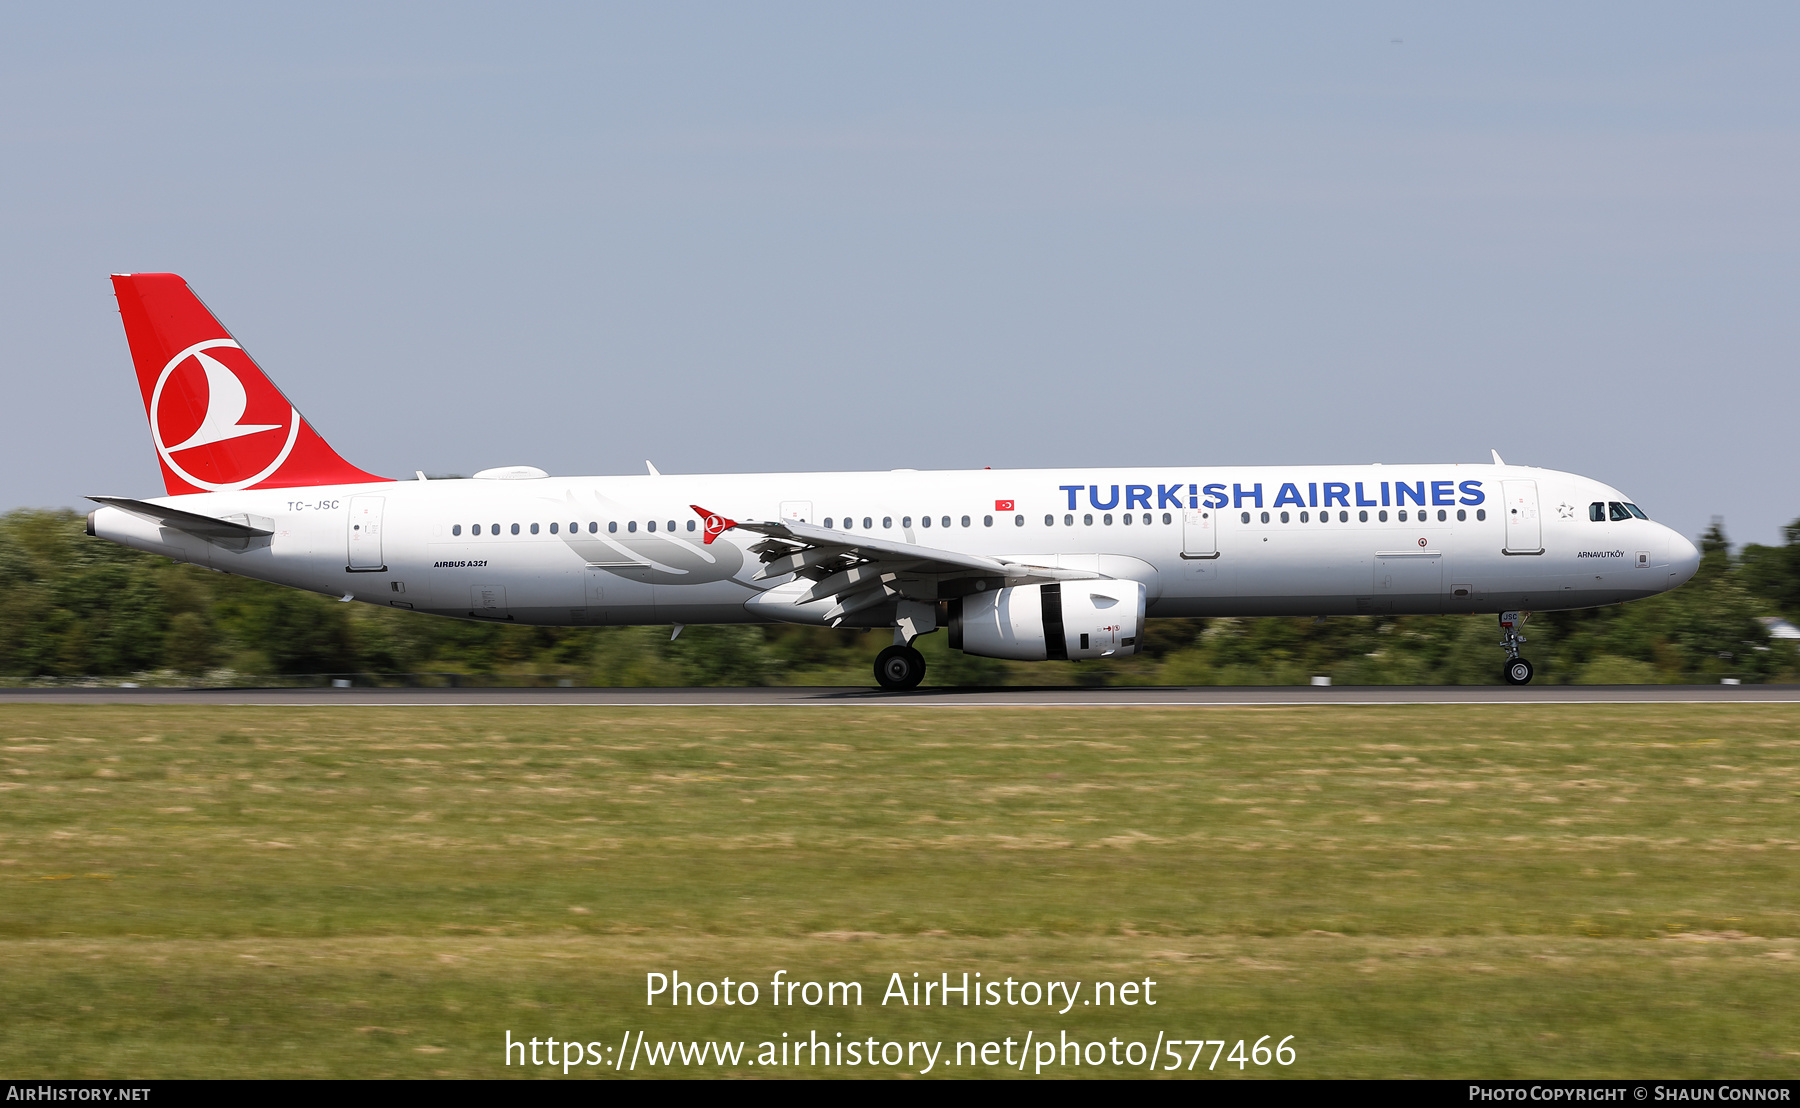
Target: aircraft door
[
  {"x": 364, "y": 534},
  {"x": 1524, "y": 534},
  {"x": 1408, "y": 581},
  {"x": 1200, "y": 533},
  {"x": 619, "y": 592}
]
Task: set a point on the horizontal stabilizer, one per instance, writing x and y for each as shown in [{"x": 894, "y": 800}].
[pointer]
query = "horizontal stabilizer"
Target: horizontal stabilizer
[{"x": 210, "y": 528}]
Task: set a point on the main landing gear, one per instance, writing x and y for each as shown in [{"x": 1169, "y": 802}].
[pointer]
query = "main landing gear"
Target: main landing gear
[
  {"x": 1518, "y": 670},
  {"x": 899, "y": 668}
]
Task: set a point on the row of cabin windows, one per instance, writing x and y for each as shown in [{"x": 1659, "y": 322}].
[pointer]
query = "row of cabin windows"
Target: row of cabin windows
[
  {"x": 868, "y": 522},
  {"x": 1443, "y": 515},
  {"x": 1596, "y": 511},
  {"x": 1600, "y": 510},
  {"x": 574, "y": 528}
]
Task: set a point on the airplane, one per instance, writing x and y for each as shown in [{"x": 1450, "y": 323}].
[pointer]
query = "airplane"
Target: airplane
[{"x": 1031, "y": 564}]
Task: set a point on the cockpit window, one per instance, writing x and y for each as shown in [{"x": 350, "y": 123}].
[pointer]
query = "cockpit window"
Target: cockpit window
[
  {"x": 1618, "y": 511},
  {"x": 1597, "y": 511},
  {"x": 1636, "y": 511}
]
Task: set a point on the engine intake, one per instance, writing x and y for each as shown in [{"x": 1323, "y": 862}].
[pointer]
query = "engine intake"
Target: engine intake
[{"x": 1065, "y": 619}]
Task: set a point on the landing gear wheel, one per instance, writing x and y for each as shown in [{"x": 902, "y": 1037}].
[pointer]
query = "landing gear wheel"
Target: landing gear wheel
[
  {"x": 1518, "y": 672},
  {"x": 899, "y": 667}
]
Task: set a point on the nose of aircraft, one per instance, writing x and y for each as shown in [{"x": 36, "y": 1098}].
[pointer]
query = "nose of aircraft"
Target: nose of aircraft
[{"x": 1684, "y": 558}]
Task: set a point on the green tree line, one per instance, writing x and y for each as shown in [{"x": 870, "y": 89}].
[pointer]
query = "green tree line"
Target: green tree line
[{"x": 80, "y": 607}]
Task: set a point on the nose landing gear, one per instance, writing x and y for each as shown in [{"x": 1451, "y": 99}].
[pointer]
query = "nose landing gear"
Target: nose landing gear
[{"x": 1518, "y": 671}]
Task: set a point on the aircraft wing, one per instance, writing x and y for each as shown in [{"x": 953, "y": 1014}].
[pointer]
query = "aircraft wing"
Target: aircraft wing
[
  {"x": 210, "y": 528},
  {"x": 861, "y": 571}
]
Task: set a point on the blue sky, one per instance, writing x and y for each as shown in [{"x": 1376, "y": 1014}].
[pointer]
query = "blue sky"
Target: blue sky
[{"x": 765, "y": 237}]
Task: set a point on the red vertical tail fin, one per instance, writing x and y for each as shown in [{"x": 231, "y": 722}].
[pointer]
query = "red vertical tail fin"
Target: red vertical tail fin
[{"x": 218, "y": 423}]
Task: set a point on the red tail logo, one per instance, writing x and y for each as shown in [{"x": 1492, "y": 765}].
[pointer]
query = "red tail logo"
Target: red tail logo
[
  {"x": 218, "y": 423},
  {"x": 715, "y": 524}
]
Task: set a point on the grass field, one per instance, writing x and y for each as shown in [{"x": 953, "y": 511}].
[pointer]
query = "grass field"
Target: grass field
[{"x": 1434, "y": 891}]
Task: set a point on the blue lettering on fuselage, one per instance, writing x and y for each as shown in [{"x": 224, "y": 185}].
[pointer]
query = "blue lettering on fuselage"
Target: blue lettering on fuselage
[{"x": 1334, "y": 493}]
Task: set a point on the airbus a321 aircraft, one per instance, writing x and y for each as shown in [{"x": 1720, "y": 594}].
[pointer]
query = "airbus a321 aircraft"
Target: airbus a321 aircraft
[{"x": 1024, "y": 564}]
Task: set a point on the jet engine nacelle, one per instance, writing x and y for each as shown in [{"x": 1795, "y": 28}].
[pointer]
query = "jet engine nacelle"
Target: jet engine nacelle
[{"x": 1065, "y": 619}]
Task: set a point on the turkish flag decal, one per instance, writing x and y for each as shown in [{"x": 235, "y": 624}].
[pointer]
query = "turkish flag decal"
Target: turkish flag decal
[{"x": 1003, "y": 505}]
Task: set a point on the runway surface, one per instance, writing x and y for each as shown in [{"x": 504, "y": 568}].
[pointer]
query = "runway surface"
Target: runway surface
[{"x": 1054, "y": 697}]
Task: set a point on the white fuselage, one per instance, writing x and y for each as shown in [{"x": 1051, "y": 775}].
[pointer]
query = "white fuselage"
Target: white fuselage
[{"x": 628, "y": 550}]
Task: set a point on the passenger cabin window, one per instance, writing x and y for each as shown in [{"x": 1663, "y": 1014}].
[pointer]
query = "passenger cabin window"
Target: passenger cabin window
[
  {"x": 1597, "y": 511},
  {"x": 965, "y": 522},
  {"x": 553, "y": 528},
  {"x": 1107, "y": 519},
  {"x": 868, "y": 523},
  {"x": 827, "y": 523},
  {"x": 1069, "y": 521},
  {"x": 534, "y": 528},
  {"x": 1168, "y": 518},
  {"x": 906, "y": 521},
  {"x": 1265, "y": 517},
  {"x": 456, "y": 528},
  {"x": 613, "y": 527},
  {"x": 1019, "y": 521},
  {"x": 1461, "y": 514},
  {"x": 947, "y": 522},
  {"x": 1481, "y": 513},
  {"x": 1246, "y": 517},
  {"x": 515, "y": 528},
  {"x": 650, "y": 526},
  {"x": 632, "y": 527},
  {"x": 1381, "y": 515},
  {"x": 987, "y": 521},
  {"x": 1087, "y": 520},
  {"x": 1403, "y": 515},
  {"x": 1619, "y": 513},
  {"x": 924, "y": 521},
  {"x": 1305, "y": 517},
  {"x": 887, "y": 521},
  {"x": 1443, "y": 516},
  {"x": 1362, "y": 517},
  {"x": 691, "y": 526}
]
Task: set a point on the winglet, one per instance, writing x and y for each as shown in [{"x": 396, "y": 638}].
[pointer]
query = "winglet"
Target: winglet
[
  {"x": 1498, "y": 460},
  {"x": 716, "y": 524}
]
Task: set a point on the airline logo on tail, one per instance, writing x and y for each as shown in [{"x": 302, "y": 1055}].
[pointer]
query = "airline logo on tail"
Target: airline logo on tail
[
  {"x": 218, "y": 423},
  {"x": 200, "y": 372}
]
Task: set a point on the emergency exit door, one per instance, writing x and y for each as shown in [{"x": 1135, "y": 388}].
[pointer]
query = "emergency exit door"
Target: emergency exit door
[
  {"x": 364, "y": 534},
  {"x": 1200, "y": 533},
  {"x": 1524, "y": 532}
]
